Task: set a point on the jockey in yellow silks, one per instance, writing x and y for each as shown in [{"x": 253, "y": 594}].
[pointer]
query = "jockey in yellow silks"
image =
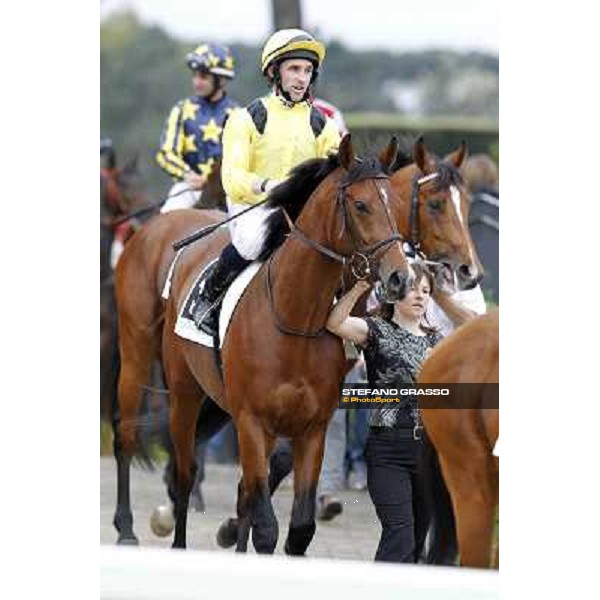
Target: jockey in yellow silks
[{"x": 262, "y": 143}]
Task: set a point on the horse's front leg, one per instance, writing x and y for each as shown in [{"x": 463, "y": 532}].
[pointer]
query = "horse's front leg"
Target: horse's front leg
[
  {"x": 280, "y": 466},
  {"x": 308, "y": 456},
  {"x": 255, "y": 511}
]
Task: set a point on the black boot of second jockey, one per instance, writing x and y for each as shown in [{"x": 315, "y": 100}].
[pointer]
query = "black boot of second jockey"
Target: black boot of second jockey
[{"x": 230, "y": 264}]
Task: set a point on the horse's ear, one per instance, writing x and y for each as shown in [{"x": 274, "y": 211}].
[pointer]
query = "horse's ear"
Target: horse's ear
[
  {"x": 422, "y": 157},
  {"x": 458, "y": 156},
  {"x": 389, "y": 155},
  {"x": 346, "y": 152}
]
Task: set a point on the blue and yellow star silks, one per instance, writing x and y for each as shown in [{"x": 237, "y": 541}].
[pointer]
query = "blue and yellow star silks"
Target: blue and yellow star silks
[
  {"x": 211, "y": 131},
  {"x": 191, "y": 138}
]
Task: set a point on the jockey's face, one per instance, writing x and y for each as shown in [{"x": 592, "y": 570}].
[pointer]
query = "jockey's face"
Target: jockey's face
[
  {"x": 296, "y": 74},
  {"x": 203, "y": 83}
]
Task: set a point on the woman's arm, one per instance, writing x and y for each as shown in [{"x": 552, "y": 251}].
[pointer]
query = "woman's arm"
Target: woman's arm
[
  {"x": 341, "y": 323},
  {"x": 462, "y": 306}
]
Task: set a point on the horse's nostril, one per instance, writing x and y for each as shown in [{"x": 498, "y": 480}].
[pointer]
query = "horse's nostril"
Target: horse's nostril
[
  {"x": 396, "y": 286},
  {"x": 394, "y": 281},
  {"x": 464, "y": 271}
]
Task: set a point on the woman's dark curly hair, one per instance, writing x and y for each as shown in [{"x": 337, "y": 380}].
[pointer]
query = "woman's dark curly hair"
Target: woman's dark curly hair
[{"x": 386, "y": 309}]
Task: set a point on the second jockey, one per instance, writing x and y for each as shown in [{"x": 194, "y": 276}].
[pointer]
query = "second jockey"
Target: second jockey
[
  {"x": 262, "y": 143},
  {"x": 191, "y": 139}
]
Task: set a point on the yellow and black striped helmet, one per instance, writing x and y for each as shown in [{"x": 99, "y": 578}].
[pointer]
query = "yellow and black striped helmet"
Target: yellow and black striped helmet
[{"x": 292, "y": 43}]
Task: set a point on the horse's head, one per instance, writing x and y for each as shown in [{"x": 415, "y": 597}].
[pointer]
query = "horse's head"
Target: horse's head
[
  {"x": 122, "y": 189},
  {"x": 434, "y": 215},
  {"x": 370, "y": 232}
]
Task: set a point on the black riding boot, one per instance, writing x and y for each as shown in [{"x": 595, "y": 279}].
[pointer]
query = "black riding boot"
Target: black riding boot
[{"x": 230, "y": 264}]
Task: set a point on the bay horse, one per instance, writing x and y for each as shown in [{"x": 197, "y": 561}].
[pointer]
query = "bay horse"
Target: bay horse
[
  {"x": 465, "y": 437},
  {"x": 438, "y": 232},
  {"x": 276, "y": 386},
  {"x": 433, "y": 214}
]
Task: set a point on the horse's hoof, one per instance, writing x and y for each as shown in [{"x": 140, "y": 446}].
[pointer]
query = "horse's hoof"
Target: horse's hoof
[
  {"x": 128, "y": 541},
  {"x": 289, "y": 552},
  {"x": 227, "y": 536},
  {"x": 162, "y": 521}
]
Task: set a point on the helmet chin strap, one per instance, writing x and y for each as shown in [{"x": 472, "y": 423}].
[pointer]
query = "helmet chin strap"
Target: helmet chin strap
[{"x": 286, "y": 96}]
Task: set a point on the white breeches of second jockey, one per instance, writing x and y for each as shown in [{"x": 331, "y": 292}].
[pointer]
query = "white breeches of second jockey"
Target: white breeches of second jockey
[
  {"x": 180, "y": 198},
  {"x": 248, "y": 231}
]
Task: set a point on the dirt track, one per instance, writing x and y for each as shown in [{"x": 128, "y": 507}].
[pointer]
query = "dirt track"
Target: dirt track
[{"x": 353, "y": 534}]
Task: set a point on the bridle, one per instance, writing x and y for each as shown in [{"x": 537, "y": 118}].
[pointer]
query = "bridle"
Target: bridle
[
  {"x": 415, "y": 232},
  {"x": 359, "y": 260}
]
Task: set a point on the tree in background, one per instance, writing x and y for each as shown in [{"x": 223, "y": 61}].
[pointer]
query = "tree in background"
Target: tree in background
[{"x": 287, "y": 14}]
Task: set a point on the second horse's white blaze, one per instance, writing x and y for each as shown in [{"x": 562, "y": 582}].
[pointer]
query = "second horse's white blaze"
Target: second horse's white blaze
[{"x": 455, "y": 195}]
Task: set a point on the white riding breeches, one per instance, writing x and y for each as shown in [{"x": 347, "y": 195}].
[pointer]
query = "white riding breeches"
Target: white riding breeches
[
  {"x": 178, "y": 198},
  {"x": 248, "y": 231}
]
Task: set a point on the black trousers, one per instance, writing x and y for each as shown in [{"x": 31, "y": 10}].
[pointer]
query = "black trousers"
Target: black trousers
[{"x": 396, "y": 489}]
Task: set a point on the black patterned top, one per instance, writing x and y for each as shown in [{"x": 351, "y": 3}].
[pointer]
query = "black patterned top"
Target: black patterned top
[{"x": 394, "y": 356}]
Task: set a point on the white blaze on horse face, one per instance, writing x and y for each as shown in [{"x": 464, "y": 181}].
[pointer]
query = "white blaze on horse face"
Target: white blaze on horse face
[{"x": 455, "y": 195}]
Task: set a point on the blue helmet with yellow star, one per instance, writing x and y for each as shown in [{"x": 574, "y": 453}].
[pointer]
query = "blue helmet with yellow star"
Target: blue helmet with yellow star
[{"x": 212, "y": 58}]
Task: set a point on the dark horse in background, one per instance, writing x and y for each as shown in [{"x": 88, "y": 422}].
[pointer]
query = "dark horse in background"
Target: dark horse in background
[
  {"x": 120, "y": 194},
  {"x": 124, "y": 208}
]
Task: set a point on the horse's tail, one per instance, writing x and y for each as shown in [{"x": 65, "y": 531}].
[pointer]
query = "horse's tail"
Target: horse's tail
[
  {"x": 441, "y": 547},
  {"x": 153, "y": 420},
  {"x": 152, "y": 424}
]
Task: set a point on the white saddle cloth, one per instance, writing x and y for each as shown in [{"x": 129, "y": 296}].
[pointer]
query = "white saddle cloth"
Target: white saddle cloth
[{"x": 185, "y": 326}]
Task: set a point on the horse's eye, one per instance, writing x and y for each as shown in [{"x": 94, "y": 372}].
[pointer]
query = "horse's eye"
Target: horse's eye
[
  {"x": 436, "y": 204},
  {"x": 361, "y": 206}
]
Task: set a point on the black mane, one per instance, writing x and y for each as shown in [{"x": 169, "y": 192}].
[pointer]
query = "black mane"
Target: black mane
[{"x": 292, "y": 195}]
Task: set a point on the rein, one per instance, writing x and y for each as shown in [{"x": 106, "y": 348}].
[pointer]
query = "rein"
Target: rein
[
  {"x": 360, "y": 270},
  {"x": 415, "y": 240}
]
